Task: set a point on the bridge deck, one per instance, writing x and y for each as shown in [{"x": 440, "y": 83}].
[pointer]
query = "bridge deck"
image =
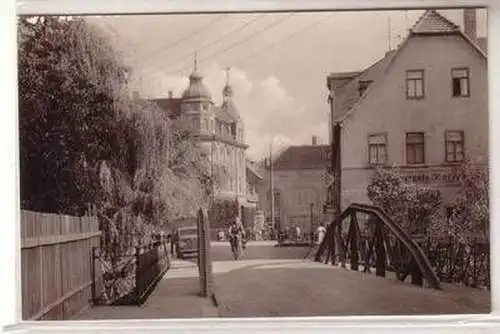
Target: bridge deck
[{"x": 305, "y": 288}]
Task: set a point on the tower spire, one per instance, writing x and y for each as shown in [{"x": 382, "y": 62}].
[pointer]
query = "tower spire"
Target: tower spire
[
  {"x": 228, "y": 69},
  {"x": 196, "y": 61},
  {"x": 389, "y": 32}
]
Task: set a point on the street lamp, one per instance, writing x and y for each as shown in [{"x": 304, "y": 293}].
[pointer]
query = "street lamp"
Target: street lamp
[
  {"x": 271, "y": 189},
  {"x": 311, "y": 207}
]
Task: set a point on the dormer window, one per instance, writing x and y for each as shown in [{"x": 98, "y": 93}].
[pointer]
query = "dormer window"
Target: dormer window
[{"x": 363, "y": 85}]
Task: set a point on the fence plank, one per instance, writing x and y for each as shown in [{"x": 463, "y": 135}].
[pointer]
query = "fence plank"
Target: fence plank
[{"x": 55, "y": 264}]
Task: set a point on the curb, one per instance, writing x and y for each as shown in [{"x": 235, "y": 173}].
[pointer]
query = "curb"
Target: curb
[{"x": 214, "y": 300}]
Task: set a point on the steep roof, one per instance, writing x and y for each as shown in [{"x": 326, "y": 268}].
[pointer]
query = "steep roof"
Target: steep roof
[
  {"x": 303, "y": 157},
  {"x": 229, "y": 108},
  {"x": 172, "y": 106},
  {"x": 343, "y": 75},
  {"x": 482, "y": 42},
  {"x": 431, "y": 22},
  {"x": 222, "y": 115},
  {"x": 253, "y": 170},
  {"x": 348, "y": 95}
]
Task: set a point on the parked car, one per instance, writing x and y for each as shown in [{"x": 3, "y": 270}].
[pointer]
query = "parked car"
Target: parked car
[{"x": 186, "y": 241}]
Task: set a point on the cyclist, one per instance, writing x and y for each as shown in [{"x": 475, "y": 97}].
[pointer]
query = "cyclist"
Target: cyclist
[{"x": 236, "y": 233}]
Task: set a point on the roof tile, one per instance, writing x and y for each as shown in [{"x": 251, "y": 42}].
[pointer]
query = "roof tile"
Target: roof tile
[
  {"x": 348, "y": 95},
  {"x": 433, "y": 22},
  {"x": 303, "y": 157}
]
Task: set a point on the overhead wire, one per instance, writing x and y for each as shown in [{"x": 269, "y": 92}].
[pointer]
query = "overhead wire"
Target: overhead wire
[
  {"x": 182, "y": 39},
  {"x": 283, "y": 40},
  {"x": 233, "y": 45},
  {"x": 212, "y": 43}
]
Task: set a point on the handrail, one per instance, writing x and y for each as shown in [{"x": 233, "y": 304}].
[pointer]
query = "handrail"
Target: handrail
[{"x": 419, "y": 256}]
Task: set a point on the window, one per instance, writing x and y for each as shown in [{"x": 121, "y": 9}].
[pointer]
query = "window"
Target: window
[
  {"x": 460, "y": 82},
  {"x": 415, "y": 148},
  {"x": 415, "y": 84},
  {"x": 377, "y": 149},
  {"x": 454, "y": 146},
  {"x": 363, "y": 85}
]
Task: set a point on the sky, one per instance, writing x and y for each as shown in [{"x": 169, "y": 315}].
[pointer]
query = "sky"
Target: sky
[{"x": 278, "y": 62}]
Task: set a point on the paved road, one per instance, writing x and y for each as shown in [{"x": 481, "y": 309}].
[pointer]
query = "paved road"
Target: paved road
[
  {"x": 256, "y": 250},
  {"x": 305, "y": 288}
]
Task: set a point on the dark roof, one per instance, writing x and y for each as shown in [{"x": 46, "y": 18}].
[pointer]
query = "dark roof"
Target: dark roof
[
  {"x": 172, "y": 106},
  {"x": 342, "y": 75},
  {"x": 222, "y": 115},
  {"x": 434, "y": 23},
  {"x": 482, "y": 42},
  {"x": 253, "y": 171},
  {"x": 230, "y": 108},
  {"x": 348, "y": 95},
  {"x": 303, "y": 157}
]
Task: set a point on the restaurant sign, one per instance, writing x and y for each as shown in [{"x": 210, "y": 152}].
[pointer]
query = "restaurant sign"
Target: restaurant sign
[{"x": 443, "y": 177}]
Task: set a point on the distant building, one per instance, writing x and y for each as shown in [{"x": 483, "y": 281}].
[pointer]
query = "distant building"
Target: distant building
[
  {"x": 221, "y": 130},
  {"x": 423, "y": 107},
  {"x": 299, "y": 186}
]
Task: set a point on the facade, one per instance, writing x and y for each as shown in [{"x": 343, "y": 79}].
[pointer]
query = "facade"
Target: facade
[
  {"x": 299, "y": 187},
  {"x": 423, "y": 108},
  {"x": 220, "y": 129}
]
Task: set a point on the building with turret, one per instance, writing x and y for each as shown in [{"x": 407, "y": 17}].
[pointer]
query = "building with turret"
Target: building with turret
[{"x": 220, "y": 130}]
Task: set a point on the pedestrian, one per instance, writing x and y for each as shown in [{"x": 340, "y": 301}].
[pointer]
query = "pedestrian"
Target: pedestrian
[
  {"x": 298, "y": 232},
  {"x": 244, "y": 232},
  {"x": 173, "y": 243},
  {"x": 321, "y": 232}
]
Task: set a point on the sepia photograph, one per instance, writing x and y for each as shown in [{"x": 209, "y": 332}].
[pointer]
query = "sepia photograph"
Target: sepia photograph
[{"x": 254, "y": 164}]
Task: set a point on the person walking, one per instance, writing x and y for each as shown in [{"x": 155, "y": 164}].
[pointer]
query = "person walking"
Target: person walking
[
  {"x": 320, "y": 232},
  {"x": 298, "y": 232}
]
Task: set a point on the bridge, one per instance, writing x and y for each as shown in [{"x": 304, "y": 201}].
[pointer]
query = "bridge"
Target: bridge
[{"x": 270, "y": 281}]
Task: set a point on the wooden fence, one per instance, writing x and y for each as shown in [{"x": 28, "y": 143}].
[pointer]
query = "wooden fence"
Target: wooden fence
[{"x": 56, "y": 264}]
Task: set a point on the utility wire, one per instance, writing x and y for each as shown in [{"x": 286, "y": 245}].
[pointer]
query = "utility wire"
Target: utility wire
[
  {"x": 210, "y": 44},
  {"x": 182, "y": 39},
  {"x": 231, "y": 46},
  {"x": 284, "y": 40}
]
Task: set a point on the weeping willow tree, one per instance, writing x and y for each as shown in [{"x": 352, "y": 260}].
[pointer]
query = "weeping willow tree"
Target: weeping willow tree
[
  {"x": 70, "y": 90},
  {"x": 84, "y": 141}
]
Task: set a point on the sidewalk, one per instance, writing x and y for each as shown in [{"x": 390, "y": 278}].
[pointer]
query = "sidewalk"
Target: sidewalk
[{"x": 175, "y": 296}]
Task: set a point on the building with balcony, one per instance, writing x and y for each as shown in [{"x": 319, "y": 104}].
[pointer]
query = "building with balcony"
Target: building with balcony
[
  {"x": 220, "y": 130},
  {"x": 422, "y": 108}
]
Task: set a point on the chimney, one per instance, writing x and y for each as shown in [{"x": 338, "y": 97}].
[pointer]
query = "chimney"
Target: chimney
[
  {"x": 170, "y": 94},
  {"x": 315, "y": 140},
  {"x": 470, "y": 23}
]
